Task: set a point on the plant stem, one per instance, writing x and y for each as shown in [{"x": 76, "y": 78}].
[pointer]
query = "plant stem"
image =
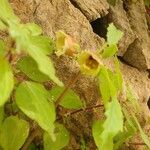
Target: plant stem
[
  {"x": 69, "y": 85},
  {"x": 134, "y": 143},
  {"x": 87, "y": 109},
  {"x": 30, "y": 139},
  {"x": 80, "y": 110}
]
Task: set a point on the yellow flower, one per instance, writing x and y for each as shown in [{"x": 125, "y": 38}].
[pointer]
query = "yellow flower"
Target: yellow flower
[
  {"x": 89, "y": 62},
  {"x": 65, "y": 45}
]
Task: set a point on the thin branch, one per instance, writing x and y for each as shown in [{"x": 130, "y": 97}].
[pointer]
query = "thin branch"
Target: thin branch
[
  {"x": 80, "y": 110},
  {"x": 70, "y": 83},
  {"x": 136, "y": 143},
  {"x": 34, "y": 134},
  {"x": 86, "y": 109}
]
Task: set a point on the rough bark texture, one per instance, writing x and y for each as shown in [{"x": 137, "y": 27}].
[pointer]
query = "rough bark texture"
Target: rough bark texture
[{"x": 74, "y": 18}]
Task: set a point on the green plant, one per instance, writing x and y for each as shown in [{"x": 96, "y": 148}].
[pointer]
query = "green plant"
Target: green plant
[
  {"x": 25, "y": 66},
  {"x": 147, "y": 3}
]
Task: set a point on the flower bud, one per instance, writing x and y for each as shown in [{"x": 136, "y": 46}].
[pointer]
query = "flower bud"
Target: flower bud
[
  {"x": 89, "y": 62},
  {"x": 66, "y": 45}
]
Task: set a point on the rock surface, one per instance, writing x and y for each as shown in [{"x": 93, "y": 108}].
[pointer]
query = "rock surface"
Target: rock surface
[
  {"x": 138, "y": 53},
  {"x": 64, "y": 16},
  {"x": 92, "y": 9},
  {"x": 74, "y": 18},
  {"x": 118, "y": 15}
]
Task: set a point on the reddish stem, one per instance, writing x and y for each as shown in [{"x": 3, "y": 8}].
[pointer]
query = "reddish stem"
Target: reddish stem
[
  {"x": 134, "y": 143},
  {"x": 69, "y": 85},
  {"x": 34, "y": 134},
  {"x": 86, "y": 109}
]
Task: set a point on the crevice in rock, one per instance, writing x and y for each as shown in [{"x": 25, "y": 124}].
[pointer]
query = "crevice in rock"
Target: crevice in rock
[
  {"x": 100, "y": 26},
  {"x": 148, "y": 70},
  {"x": 121, "y": 59},
  {"x": 124, "y": 62},
  {"x": 36, "y": 7},
  {"x": 148, "y": 103},
  {"x": 76, "y": 6},
  {"x": 125, "y": 7}
]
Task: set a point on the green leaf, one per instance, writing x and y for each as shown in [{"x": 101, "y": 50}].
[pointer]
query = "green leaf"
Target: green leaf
[
  {"x": 21, "y": 35},
  {"x": 2, "y": 48},
  {"x": 62, "y": 138},
  {"x": 31, "y": 98},
  {"x": 36, "y": 46},
  {"x": 110, "y": 51},
  {"x": 28, "y": 66},
  {"x": 13, "y": 133},
  {"x": 2, "y": 26},
  {"x": 44, "y": 63},
  {"x": 113, "y": 35},
  {"x": 132, "y": 98},
  {"x": 6, "y": 81},
  {"x": 32, "y": 147},
  {"x": 1, "y": 115},
  {"x": 112, "y": 2},
  {"x": 129, "y": 118},
  {"x": 112, "y": 125},
  {"x": 118, "y": 75},
  {"x": 103, "y": 84},
  {"x": 71, "y": 100},
  {"x": 122, "y": 137},
  {"x": 6, "y": 13},
  {"x": 145, "y": 138},
  {"x": 147, "y": 2},
  {"x": 83, "y": 145},
  {"x": 34, "y": 29},
  {"x": 107, "y": 87},
  {"x": 36, "y": 49},
  {"x": 43, "y": 43},
  {"x": 97, "y": 129}
]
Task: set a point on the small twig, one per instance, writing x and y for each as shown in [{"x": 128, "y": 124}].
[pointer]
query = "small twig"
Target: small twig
[
  {"x": 34, "y": 134},
  {"x": 70, "y": 83},
  {"x": 80, "y": 110},
  {"x": 86, "y": 109},
  {"x": 134, "y": 143}
]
